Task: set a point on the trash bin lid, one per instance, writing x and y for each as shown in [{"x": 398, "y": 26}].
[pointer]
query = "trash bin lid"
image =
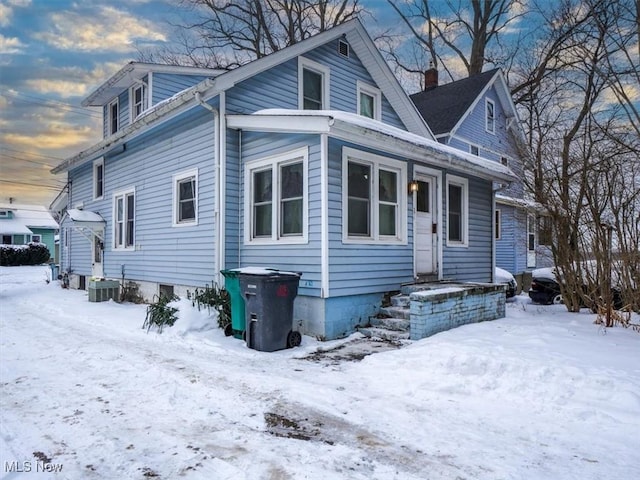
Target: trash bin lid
[{"x": 262, "y": 271}]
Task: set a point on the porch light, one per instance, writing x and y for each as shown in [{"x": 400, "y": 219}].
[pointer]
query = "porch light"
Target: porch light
[{"x": 413, "y": 186}]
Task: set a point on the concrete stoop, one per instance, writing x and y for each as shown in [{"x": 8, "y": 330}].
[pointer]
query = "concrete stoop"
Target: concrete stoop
[{"x": 394, "y": 323}]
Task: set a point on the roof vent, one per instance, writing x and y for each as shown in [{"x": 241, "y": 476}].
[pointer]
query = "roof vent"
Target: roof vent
[{"x": 343, "y": 48}]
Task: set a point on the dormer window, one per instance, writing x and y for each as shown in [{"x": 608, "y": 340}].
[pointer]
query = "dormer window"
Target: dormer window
[
  {"x": 114, "y": 114},
  {"x": 138, "y": 101}
]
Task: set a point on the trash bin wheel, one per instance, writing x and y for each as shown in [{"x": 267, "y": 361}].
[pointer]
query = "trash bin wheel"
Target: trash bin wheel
[
  {"x": 294, "y": 339},
  {"x": 228, "y": 330}
]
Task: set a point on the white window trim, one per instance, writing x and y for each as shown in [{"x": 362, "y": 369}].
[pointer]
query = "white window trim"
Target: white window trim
[
  {"x": 38, "y": 236},
  {"x": 275, "y": 162},
  {"x": 123, "y": 193},
  {"x": 305, "y": 63},
  {"x": 376, "y": 162},
  {"x": 471, "y": 147},
  {"x": 372, "y": 91},
  {"x": 486, "y": 115},
  {"x": 464, "y": 183},
  {"x": 497, "y": 227},
  {"x": 111, "y": 103},
  {"x": 145, "y": 100},
  {"x": 96, "y": 164},
  {"x": 175, "y": 179}
]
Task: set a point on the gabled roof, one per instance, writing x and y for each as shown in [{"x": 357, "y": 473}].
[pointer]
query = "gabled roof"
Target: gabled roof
[
  {"x": 136, "y": 71},
  {"x": 353, "y": 31},
  {"x": 446, "y": 106}
]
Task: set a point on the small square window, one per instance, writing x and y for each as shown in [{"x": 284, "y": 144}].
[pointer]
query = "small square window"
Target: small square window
[
  {"x": 474, "y": 150},
  {"x": 369, "y": 101}
]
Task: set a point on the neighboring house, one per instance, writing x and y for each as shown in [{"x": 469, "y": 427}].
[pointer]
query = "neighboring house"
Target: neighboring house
[
  {"x": 306, "y": 160},
  {"x": 22, "y": 224},
  {"x": 477, "y": 115}
]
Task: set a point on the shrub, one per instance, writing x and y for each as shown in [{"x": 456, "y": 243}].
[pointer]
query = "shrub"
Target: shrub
[
  {"x": 160, "y": 313},
  {"x": 214, "y": 297},
  {"x": 30, "y": 254}
]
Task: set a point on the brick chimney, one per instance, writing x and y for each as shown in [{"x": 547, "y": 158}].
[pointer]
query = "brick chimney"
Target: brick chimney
[{"x": 430, "y": 79}]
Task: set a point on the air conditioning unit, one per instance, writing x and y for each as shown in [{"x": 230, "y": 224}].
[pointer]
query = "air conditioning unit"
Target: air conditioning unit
[{"x": 104, "y": 290}]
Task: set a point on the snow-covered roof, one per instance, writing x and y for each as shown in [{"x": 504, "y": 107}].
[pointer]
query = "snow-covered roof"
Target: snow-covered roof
[
  {"x": 26, "y": 217},
  {"x": 349, "y": 125},
  {"x": 84, "y": 216},
  {"x": 519, "y": 202}
]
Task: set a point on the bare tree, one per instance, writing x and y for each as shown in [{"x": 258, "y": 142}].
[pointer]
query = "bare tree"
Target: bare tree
[
  {"x": 580, "y": 109},
  {"x": 225, "y": 34},
  {"x": 468, "y": 31}
]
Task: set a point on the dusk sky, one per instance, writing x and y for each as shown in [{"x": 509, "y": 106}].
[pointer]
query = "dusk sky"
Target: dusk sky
[{"x": 53, "y": 53}]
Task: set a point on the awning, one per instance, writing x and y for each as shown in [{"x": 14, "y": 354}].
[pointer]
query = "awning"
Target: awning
[{"x": 88, "y": 223}]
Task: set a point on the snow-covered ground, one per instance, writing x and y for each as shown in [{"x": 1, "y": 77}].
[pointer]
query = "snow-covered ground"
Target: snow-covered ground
[{"x": 542, "y": 394}]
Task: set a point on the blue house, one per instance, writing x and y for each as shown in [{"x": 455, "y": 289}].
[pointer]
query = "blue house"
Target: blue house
[
  {"x": 21, "y": 224},
  {"x": 477, "y": 115},
  {"x": 312, "y": 159}
]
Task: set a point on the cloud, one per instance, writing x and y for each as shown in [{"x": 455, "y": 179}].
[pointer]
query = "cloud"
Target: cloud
[
  {"x": 10, "y": 45},
  {"x": 67, "y": 82},
  {"x": 56, "y": 136},
  {"x": 5, "y": 15},
  {"x": 108, "y": 29}
]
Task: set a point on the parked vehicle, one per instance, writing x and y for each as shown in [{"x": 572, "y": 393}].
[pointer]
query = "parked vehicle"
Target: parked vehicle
[
  {"x": 545, "y": 290},
  {"x": 502, "y": 276}
]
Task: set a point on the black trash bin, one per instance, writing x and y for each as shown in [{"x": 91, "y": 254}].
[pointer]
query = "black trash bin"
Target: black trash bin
[{"x": 269, "y": 296}]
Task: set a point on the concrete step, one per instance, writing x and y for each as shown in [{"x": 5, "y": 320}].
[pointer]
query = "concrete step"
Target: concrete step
[
  {"x": 395, "y": 324},
  {"x": 400, "y": 300},
  {"x": 384, "y": 334},
  {"x": 395, "y": 312}
]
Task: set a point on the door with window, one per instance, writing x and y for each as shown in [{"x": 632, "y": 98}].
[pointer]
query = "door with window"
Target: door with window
[
  {"x": 425, "y": 223},
  {"x": 96, "y": 255}
]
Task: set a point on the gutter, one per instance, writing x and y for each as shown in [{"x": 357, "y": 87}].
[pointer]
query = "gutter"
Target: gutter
[{"x": 160, "y": 113}]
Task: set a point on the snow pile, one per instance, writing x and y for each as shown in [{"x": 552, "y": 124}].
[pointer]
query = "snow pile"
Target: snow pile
[{"x": 542, "y": 394}]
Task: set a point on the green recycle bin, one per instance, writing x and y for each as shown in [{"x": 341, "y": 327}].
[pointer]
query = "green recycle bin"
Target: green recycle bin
[{"x": 232, "y": 285}]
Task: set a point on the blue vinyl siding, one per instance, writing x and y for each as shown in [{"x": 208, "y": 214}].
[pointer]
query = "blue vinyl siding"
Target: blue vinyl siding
[
  {"x": 79, "y": 248},
  {"x": 165, "y": 85},
  {"x": 508, "y": 244},
  {"x": 166, "y": 254},
  {"x": 356, "y": 268},
  {"x": 278, "y": 86},
  {"x": 303, "y": 258},
  {"x": 472, "y": 263}
]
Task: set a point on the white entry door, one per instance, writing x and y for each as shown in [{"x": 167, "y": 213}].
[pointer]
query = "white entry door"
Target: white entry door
[
  {"x": 425, "y": 224},
  {"x": 96, "y": 255}
]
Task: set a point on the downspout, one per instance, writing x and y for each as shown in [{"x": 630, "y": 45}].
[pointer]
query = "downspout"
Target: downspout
[{"x": 218, "y": 182}]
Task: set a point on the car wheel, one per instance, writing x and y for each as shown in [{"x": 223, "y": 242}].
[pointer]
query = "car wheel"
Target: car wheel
[{"x": 557, "y": 299}]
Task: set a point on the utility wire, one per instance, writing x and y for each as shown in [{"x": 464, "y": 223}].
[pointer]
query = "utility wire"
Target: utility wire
[
  {"x": 32, "y": 153},
  {"x": 52, "y": 104}
]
